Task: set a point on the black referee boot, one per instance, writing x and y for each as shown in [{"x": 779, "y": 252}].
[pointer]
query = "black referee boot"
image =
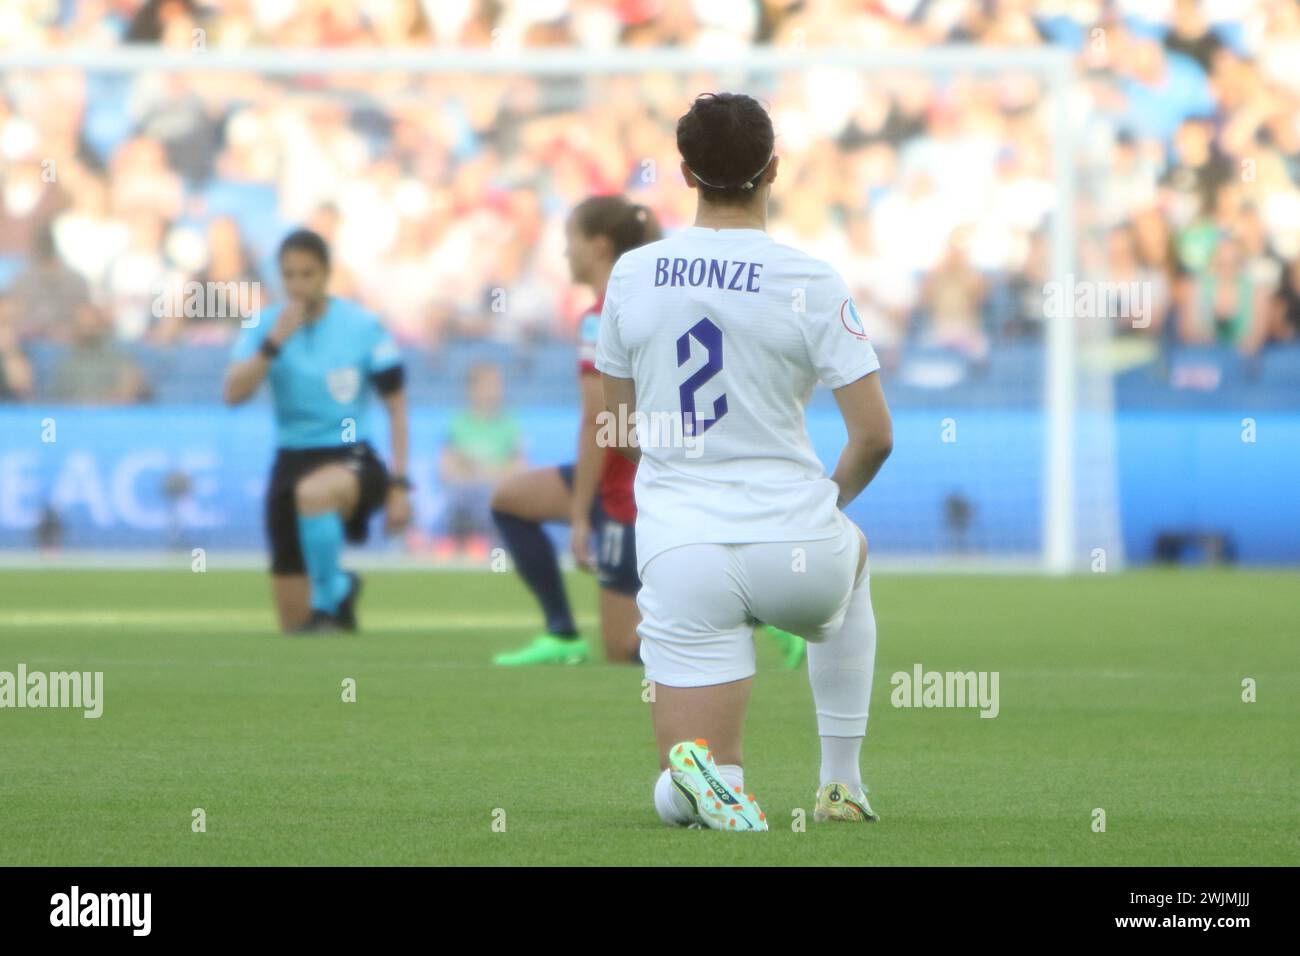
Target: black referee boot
[
  {"x": 320, "y": 622},
  {"x": 347, "y": 612}
]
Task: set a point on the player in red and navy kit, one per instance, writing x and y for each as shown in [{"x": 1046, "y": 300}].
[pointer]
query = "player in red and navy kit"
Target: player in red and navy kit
[{"x": 594, "y": 493}]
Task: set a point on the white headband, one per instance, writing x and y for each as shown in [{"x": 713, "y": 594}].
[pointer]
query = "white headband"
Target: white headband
[{"x": 744, "y": 184}]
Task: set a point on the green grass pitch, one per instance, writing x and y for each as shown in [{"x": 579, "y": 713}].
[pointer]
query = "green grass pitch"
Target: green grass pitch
[{"x": 1119, "y": 692}]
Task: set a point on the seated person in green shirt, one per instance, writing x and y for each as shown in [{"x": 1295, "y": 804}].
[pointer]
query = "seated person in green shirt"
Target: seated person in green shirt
[
  {"x": 1229, "y": 306},
  {"x": 484, "y": 444}
]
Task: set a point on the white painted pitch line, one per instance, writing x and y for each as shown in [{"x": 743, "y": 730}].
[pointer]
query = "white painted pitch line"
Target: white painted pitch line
[{"x": 213, "y": 618}]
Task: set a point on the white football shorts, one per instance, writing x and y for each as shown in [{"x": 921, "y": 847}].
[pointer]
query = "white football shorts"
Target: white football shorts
[{"x": 700, "y": 602}]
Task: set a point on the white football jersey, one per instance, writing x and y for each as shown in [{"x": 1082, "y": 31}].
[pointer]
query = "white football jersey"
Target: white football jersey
[{"x": 724, "y": 333}]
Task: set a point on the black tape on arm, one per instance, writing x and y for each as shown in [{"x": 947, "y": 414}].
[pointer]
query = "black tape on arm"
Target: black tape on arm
[{"x": 389, "y": 380}]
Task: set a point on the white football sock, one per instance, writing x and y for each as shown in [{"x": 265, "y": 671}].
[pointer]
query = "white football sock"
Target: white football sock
[
  {"x": 840, "y": 670},
  {"x": 840, "y": 762},
  {"x": 674, "y": 809}
]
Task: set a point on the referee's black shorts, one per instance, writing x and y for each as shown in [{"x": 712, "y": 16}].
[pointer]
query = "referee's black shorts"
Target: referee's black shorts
[{"x": 282, "y": 511}]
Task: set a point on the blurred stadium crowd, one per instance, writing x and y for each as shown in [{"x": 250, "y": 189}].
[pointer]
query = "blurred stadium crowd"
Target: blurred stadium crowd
[{"x": 444, "y": 197}]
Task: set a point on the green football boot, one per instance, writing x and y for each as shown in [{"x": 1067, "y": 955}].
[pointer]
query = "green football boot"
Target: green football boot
[
  {"x": 791, "y": 646},
  {"x": 545, "y": 649}
]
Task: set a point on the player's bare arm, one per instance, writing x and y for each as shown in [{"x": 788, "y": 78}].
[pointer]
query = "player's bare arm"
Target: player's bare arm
[
  {"x": 586, "y": 472},
  {"x": 244, "y": 378},
  {"x": 871, "y": 435},
  {"x": 620, "y": 402},
  {"x": 397, "y": 505}
]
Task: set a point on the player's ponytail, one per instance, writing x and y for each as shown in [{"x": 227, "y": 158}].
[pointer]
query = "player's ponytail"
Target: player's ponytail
[
  {"x": 642, "y": 226},
  {"x": 626, "y": 225}
]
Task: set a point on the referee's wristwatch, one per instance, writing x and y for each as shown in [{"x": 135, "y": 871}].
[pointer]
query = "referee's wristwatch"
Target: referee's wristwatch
[
  {"x": 399, "y": 481},
  {"x": 269, "y": 349}
]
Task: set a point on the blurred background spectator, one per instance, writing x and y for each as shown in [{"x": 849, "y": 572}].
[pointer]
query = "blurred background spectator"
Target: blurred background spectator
[
  {"x": 444, "y": 196},
  {"x": 48, "y": 292},
  {"x": 484, "y": 443},
  {"x": 94, "y": 369},
  {"x": 15, "y": 369}
]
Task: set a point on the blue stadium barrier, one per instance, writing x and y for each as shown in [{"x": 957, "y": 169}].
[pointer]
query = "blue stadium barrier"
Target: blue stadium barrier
[
  {"x": 107, "y": 470},
  {"x": 543, "y": 372}
]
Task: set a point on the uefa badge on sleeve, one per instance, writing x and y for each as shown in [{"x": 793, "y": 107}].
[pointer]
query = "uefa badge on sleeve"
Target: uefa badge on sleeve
[{"x": 851, "y": 321}]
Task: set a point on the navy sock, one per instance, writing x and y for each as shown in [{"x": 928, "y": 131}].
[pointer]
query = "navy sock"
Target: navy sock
[{"x": 534, "y": 557}]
